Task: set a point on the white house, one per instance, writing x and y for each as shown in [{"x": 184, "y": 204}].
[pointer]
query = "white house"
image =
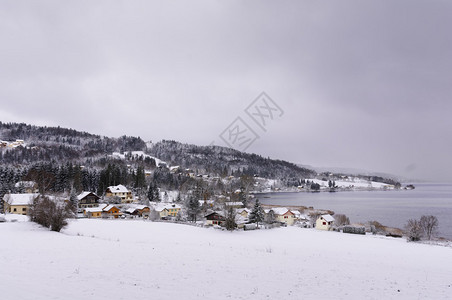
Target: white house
[
  {"x": 18, "y": 203},
  {"x": 121, "y": 192},
  {"x": 283, "y": 214},
  {"x": 324, "y": 222}
]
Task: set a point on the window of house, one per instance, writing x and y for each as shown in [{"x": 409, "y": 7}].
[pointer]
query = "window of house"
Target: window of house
[
  {"x": 15, "y": 209},
  {"x": 324, "y": 223},
  {"x": 24, "y": 209}
]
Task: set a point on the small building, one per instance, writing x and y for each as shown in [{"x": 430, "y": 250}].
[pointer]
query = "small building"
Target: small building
[
  {"x": 18, "y": 203},
  {"x": 121, "y": 192},
  {"x": 87, "y": 199},
  {"x": 139, "y": 210},
  {"x": 26, "y": 187},
  {"x": 102, "y": 211},
  {"x": 243, "y": 212},
  {"x": 284, "y": 215},
  {"x": 324, "y": 222},
  {"x": 167, "y": 209},
  {"x": 111, "y": 211},
  {"x": 215, "y": 218},
  {"x": 94, "y": 212}
]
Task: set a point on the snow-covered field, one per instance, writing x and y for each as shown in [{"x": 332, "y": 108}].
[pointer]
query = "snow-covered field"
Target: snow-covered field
[{"x": 128, "y": 259}]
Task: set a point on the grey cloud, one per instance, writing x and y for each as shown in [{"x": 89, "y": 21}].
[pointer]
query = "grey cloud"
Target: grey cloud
[{"x": 363, "y": 84}]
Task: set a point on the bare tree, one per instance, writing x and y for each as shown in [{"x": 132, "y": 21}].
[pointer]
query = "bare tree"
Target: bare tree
[
  {"x": 230, "y": 214},
  {"x": 429, "y": 225},
  {"x": 341, "y": 220},
  {"x": 414, "y": 230}
]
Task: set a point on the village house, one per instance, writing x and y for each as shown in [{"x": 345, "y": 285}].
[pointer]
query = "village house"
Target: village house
[
  {"x": 18, "y": 203},
  {"x": 139, "y": 211},
  {"x": 87, "y": 199},
  {"x": 121, "y": 192},
  {"x": 285, "y": 215},
  {"x": 94, "y": 212},
  {"x": 214, "y": 218},
  {"x": 26, "y": 187},
  {"x": 166, "y": 210},
  {"x": 324, "y": 222},
  {"x": 243, "y": 212},
  {"x": 111, "y": 211},
  {"x": 102, "y": 211}
]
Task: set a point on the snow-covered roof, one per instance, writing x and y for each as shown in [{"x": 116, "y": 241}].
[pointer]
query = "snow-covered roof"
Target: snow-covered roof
[
  {"x": 280, "y": 210},
  {"x": 161, "y": 206},
  {"x": 328, "y": 218},
  {"x": 240, "y": 210},
  {"x": 96, "y": 209},
  {"x": 201, "y": 202},
  {"x": 131, "y": 210},
  {"x": 108, "y": 207},
  {"x": 233, "y": 203},
  {"x": 140, "y": 207},
  {"x": 26, "y": 184},
  {"x": 220, "y": 213},
  {"x": 118, "y": 189},
  {"x": 19, "y": 199},
  {"x": 84, "y": 194}
]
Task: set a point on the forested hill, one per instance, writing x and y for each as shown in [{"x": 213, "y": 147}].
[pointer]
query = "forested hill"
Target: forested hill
[
  {"x": 60, "y": 144},
  {"x": 225, "y": 161},
  {"x": 62, "y": 160}
]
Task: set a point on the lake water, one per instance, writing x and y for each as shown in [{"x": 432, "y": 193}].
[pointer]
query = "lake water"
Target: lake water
[{"x": 391, "y": 208}]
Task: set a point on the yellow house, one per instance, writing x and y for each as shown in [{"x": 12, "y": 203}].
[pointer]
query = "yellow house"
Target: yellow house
[
  {"x": 324, "y": 222},
  {"x": 167, "y": 209},
  {"x": 284, "y": 214},
  {"x": 243, "y": 212},
  {"x": 111, "y": 211},
  {"x": 18, "y": 203},
  {"x": 121, "y": 192},
  {"x": 94, "y": 212},
  {"x": 102, "y": 211}
]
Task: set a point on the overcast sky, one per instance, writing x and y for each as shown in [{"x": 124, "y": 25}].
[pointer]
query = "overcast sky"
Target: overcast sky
[{"x": 359, "y": 84}]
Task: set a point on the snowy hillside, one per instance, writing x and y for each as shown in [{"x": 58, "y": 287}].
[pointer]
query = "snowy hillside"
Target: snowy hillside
[
  {"x": 355, "y": 183},
  {"x": 119, "y": 259}
]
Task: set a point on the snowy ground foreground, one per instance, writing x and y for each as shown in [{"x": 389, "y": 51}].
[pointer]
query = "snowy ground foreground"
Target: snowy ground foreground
[{"x": 127, "y": 259}]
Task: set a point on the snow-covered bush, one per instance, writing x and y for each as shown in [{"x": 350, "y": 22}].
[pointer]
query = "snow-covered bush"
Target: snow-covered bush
[{"x": 51, "y": 212}]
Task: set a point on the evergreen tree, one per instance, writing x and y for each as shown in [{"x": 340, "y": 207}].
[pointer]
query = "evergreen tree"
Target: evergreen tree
[
  {"x": 192, "y": 207},
  {"x": 156, "y": 194},
  {"x": 242, "y": 197},
  {"x": 74, "y": 199},
  {"x": 151, "y": 192},
  {"x": 257, "y": 214},
  {"x": 178, "y": 198}
]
